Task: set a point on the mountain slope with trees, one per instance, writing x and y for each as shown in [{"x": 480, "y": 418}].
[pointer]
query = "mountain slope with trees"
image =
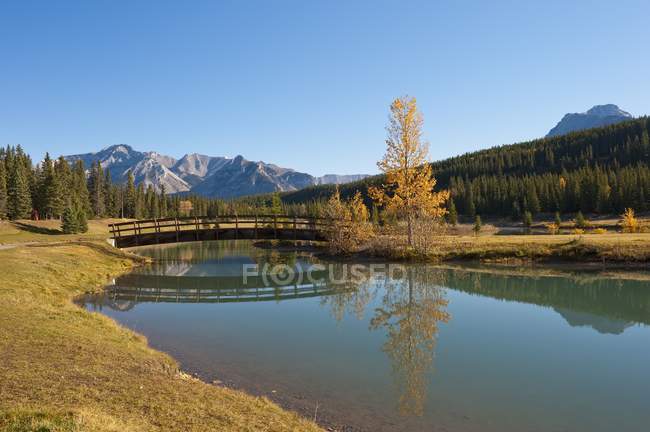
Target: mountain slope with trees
[{"x": 602, "y": 170}]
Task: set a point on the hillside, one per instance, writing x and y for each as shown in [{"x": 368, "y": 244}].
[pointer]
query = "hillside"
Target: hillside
[
  {"x": 597, "y": 116},
  {"x": 600, "y": 170},
  {"x": 208, "y": 176}
]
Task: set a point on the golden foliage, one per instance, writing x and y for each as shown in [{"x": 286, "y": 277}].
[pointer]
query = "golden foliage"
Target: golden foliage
[
  {"x": 350, "y": 226},
  {"x": 409, "y": 181},
  {"x": 552, "y": 228},
  {"x": 630, "y": 222}
]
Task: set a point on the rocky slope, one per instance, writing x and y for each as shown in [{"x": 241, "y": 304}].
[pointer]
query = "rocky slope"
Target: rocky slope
[{"x": 210, "y": 176}]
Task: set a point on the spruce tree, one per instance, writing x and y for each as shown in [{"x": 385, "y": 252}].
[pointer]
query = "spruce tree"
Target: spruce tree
[
  {"x": 130, "y": 197},
  {"x": 96, "y": 190},
  {"x": 19, "y": 201},
  {"x": 477, "y": 225},
  {"x": 581, "y": 221},
  {"x": 80, "y": 188},
  {"x": 82, "y": 220},
  {"x": 452, "y": 216},
  {"x": 528, "y": 221},
  {"x": 69, "y": 221},
  {"x": 276, "y": 204},
  {"x": 50, "y": 190},
  {"x": 110, "y": 201},
  {"x": 163, "y": 203},
  {"x": 3, "y": 189}
]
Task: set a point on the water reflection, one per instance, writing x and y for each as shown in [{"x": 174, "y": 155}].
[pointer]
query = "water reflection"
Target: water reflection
[
  {"x": 412, "y": 308},
  {"x": 405, "y": 313}
]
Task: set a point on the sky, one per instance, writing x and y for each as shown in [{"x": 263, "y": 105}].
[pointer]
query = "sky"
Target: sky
[{"x": 307, "y": 84}]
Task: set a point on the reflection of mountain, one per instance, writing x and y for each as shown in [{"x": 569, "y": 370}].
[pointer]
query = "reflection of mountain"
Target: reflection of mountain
[
  {"x": 598, "y": 323},
  {"x": 604, "y": 304}
]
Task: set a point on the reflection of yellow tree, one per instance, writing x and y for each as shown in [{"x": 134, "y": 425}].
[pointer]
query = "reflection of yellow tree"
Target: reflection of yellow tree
[
  {"x": 412, "y": 308},
  {"x": 352, "y": 292}
]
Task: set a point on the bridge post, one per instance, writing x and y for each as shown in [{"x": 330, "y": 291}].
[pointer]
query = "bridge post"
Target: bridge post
[
  {"x": 255, "y": 226},
  {"x": 157, "y": 230},
  {"x": 236, "y": 226},
  {"x": 295, "y": 229},
  {"x": 196, "y": 228},
  {"x": 275, "y": 226},
  {"x": 177, "y": 228},
  {"x": 135, "y": 231}
]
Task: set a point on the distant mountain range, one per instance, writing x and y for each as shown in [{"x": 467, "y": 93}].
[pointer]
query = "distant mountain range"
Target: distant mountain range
[
  {"x": 218, "y": 177},
  {"x": 599, "y": 115}
]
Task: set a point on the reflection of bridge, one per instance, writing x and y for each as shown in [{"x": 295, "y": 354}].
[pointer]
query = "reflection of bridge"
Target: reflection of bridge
[
  {"x": 135, "y": 288},
  {"x": 201, "y": 228}
]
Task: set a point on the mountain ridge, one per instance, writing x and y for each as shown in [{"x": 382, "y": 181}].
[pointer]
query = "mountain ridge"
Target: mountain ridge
[
  {"x": 210, "y": 176},
  {"x": 596, "y": 116}
]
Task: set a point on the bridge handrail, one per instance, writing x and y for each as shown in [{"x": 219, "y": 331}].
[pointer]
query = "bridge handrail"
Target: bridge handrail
[{"x": 137, "y": 227}]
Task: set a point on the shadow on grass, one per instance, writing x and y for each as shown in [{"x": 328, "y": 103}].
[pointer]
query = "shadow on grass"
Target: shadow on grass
[{"x": 37, "y": 230}]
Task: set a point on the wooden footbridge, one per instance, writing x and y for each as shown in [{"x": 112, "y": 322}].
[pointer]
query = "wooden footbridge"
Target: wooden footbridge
[{"x": 229, "y": 227}]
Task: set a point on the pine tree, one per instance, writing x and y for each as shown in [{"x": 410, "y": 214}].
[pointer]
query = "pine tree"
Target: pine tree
[
  {"x": 81, "y": 197},
  {"x": 581, "y": 221},
  {"x": 51, "y": 199},
  {"x": 528, "y": 221},
  {"x": 97, "y": 190},
  {"x": 69, "y": 221},
  {"x": 82, "y": 220},
  {"x": 163, "y": 203},
  {"x": 110, "y": 196},
  {"x": 477, "y": 225},
  {"x": 3, "y": 188},
  {"x": 276, "y": 204},
  {"x": 452, "y": 216},
  {"x": 130, "y": 197},
  {"x": 19, "y": 201},
  {"x": 532, "y": 199}
]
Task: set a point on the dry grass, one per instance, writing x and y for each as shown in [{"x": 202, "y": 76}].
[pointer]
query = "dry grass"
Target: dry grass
[
  {"x": 27, "y": 231},
  {"x": 611, "y": 247},
  {"x": 66, "y": 369}
]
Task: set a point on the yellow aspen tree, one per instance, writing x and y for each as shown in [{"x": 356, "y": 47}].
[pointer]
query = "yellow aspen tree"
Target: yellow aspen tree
[
  {"x": 408, "y": 190},
  {"x": 630, "y": 222}
]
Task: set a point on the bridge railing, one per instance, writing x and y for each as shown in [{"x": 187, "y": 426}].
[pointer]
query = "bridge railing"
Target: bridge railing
[{"x": 195, "y": 223}]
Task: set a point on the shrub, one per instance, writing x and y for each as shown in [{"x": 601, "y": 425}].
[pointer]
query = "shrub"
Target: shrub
[
  {"x": 599, "y": 231},
  {"x": 349, "y": 227},
  {"x": 552, "y": 228},
  {"x": 630, "y": 223},
  {"x": 477, "y": 225},
  {"x": 581, "y": 221}
]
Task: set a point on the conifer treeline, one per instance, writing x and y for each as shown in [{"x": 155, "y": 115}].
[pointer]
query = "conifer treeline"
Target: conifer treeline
[
  {"x": 602, "y": 170},
  {"x": 56, "y": 189}
]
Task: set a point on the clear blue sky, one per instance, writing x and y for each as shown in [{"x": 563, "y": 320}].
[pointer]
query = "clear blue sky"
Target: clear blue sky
[{"x": 307, "y": 84}]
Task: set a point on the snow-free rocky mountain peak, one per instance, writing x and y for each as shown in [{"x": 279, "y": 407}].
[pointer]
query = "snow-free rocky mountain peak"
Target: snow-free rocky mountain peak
[
  {"x": 599, "y": 115},
  {"x": 210, "y": 176}
]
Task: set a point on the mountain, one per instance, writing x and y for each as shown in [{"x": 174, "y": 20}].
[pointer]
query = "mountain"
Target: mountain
[
  {"x": 338, "y": 179},
  {"x": 602, "y": 170},
  {"x": 599, "y": 115},
  {"x": 219, "y": 177}
]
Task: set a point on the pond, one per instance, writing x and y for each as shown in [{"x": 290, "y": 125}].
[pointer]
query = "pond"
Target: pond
[{"x": 397, "y": 348}]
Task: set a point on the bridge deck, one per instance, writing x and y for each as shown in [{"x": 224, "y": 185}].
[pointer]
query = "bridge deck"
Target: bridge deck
[{"x": 227, "y": 227}]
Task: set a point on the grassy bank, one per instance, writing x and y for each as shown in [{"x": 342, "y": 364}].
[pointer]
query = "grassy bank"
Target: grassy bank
[
  {"x": 27, "y": 231},
  {"x": 611, "y": 248},
  {"x": 66, "y": 369}
]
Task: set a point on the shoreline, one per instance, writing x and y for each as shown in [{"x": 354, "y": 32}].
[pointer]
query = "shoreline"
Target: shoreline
[{"x": 77, "y": 386}]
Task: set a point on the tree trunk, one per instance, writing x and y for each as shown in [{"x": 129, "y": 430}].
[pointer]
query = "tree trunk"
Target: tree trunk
[{"x": 409, "y": 221}]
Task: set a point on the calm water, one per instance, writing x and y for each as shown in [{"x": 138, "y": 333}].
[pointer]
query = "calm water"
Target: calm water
[{"x": 428, "y": 349}]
